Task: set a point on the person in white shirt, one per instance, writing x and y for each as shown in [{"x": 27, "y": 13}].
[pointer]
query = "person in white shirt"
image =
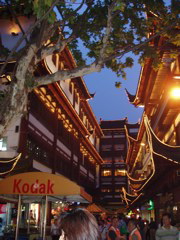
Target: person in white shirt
[
  {"x": 103, "y": 229},
  {"x": 167, "y": 231}
]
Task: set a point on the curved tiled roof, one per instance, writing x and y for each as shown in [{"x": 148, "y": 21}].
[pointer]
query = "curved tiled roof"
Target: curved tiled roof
[{"x": 113, "y": 124}]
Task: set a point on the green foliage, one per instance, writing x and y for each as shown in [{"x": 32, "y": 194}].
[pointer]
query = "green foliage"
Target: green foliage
[
  {"x": 151, "y": 52},
  {"x": 130, "y": 27},
  {"x": 118, "y": 84},
  {"x": 4, "y": 52},
  {"x": 119, "y": 6},
  {"x": 40, "y": 7},
  {"x": 77, "y": 53}
]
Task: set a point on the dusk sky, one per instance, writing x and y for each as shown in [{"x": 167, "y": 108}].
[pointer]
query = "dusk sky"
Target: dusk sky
[{"x": 109, "y": 102}]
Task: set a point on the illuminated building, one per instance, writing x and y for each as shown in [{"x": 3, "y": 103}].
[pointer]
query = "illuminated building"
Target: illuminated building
[
  {"x": 154, "y": 156},
  {"x": 59, "y": 134},
  {"x": 113, "y": 150}
]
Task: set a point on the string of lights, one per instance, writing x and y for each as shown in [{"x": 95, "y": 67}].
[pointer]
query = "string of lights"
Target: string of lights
[
  {"x": 13, "y": 166},
  {"x": 8, "y": 161},
  {"x": 149, "y": 139}
]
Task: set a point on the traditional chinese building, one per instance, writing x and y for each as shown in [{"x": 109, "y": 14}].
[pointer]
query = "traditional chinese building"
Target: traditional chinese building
[
  {"x": 154, "y": 155},
  {"x": 113, "y": 150},
  {"x": 59, "y": 133}
]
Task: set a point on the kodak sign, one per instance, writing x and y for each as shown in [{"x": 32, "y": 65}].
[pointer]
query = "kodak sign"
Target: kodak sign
[
  {"x": 21, "y": 187},
  {"x": 39, "y": 183}
]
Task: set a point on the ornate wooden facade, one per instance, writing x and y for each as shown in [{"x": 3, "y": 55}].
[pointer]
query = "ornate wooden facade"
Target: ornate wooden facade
[
  {"x": 59, "y": 134},
  {"x": 154, "y": 156},
  {"x": 113, "y": 150}
]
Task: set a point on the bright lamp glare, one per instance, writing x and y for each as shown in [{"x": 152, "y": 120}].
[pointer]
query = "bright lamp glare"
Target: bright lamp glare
[{"x": 175, "y": 93}]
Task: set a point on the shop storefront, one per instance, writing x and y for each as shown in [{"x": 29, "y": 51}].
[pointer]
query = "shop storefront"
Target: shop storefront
[{"x": 28, "y": 200}]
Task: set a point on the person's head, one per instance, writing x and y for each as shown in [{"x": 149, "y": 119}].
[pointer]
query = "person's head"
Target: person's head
[
  {"x": 55, "y": 221},
  {"x": 166, "y": 219},
  {"x": 101, "y": 222},
  {"x": 114, "y": 222},
  {"x": 132, "y": 225},
  {"x": 79, "y": 224}
]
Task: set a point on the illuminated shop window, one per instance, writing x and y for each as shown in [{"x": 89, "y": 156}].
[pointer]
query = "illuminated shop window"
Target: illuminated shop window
[
  {"x": 106, "y": 190},
  {"x": 118, "y": 190},
  {"x": 120, "y": 172},
  {"x": 3, "y": 144},
  {"x": 106, "y": 173}
]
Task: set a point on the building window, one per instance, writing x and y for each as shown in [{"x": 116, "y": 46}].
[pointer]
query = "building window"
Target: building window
[
  {"x": 108, "y": 133},
  {"x": 105, "y": 190},
  {"x": 106, "y": 147},
  {"x": 16, "y": 129},
  {"x": 107, "y": 160},
  {"x": 119, "y": 147},
  {"x": 119, "y": 159},
  {"x": 133, "y": 130},
  {"x": 106, "y": 172},
  {"x": 3, "y": 144},
  {"x": 118, "y": 190},
  {"x": 119, "y": 135},
  {"x": 120, "y": 172}
]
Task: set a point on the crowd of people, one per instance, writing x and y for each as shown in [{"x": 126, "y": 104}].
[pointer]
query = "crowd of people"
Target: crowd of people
[{"x": 80, "y": 224}]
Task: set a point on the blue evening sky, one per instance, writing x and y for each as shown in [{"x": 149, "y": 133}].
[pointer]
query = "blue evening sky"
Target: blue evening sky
[{"x": 109, "y": 102}]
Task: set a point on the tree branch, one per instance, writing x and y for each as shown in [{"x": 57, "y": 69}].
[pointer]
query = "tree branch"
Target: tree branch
[
  {"x": 59, "y": 46},
  {"x": 107, "y": 34},
  {"x": 24, "y": 36},
  {"x": 66, "y": 74},
  {"x": 138, "y": 46}
]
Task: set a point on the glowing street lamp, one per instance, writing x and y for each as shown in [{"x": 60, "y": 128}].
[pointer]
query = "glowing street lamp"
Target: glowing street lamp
[{"x": 175, "y": 93}]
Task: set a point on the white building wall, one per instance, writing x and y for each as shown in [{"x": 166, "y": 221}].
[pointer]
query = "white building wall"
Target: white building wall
[
  {"x": 39, "y": 166},
  {"x": 65, "y": 87},
  {"x": 50, "y": 65},
  {"x": 64, "y": 148},
  {"x": 12, "y": 140},
  {"x": 91, "y": 138}
]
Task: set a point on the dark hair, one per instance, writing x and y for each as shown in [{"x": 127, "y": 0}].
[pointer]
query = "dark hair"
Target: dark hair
[
  {"x": 80, "y": 224},
  {"x": 166, "y": 215},
  {"x": 133, "y": 221}
]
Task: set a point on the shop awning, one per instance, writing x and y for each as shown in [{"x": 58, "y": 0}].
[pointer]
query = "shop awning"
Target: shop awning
[
  {"x": 34, "y": 185},
  {"x": 96, "y": 209}
]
